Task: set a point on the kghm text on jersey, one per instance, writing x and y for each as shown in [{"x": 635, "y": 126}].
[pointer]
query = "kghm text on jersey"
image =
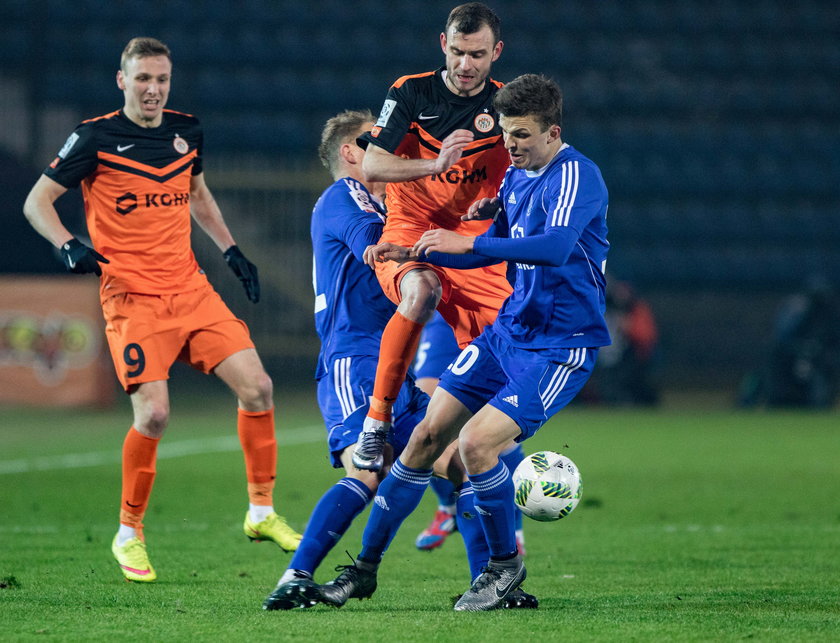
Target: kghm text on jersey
[
  {"x": 129, "y": 202},
  {"x": 455, "y": 175}
]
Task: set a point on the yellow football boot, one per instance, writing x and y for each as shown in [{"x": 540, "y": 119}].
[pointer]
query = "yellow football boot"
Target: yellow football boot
[
  {"x": 273, "y": 528},
  {"x": 134, "y": 561}
]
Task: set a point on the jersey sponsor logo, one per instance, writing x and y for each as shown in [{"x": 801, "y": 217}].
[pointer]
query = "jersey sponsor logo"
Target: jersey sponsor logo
[
  {"x": 128, "y": 202},
  {"x": 123, "y": 148},
  {"x": 427, "y": 117},
  {"x": 512, "y": 198},
  {"x": 166, "y": 200},
  {"x": 484, "y": 123},
  {"x": 68, "y": 145},
  {"x": 375, "y": 131},
  {"x": 181, "y": 146},
  {"x": 385, "y": 114},
  {"x": 513, "y": 400},
  {"x": 455, "y": 175}
]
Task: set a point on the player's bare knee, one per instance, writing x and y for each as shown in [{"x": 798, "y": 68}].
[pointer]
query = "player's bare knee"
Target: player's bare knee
[
  {"x": 421, "y": 292},
  {"x": 425, "y": 446},
  {"x": 265, "y": 390},
  {"x": 257, "y": 393},
  {"x": 473, "y": 448},
  {"x": 152, "y": 420}
]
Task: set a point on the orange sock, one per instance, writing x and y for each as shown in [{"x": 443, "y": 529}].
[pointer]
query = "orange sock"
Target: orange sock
[
  {"x": 139, "y": 456},
  {"x": 259, "y": 445},
  {"x": 398, "y": 347}
]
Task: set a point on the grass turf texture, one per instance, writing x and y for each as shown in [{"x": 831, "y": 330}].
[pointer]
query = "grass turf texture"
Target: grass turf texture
[{"x": 695, "y": 524}]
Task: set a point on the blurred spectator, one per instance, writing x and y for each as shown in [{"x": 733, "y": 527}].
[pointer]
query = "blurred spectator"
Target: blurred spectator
[
  {"x": 804, "y": 359},
  {"x": 624, "y": 371}
]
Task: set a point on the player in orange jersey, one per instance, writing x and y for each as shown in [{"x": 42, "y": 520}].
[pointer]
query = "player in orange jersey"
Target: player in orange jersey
[
  {"x": 438, "y": 145},
  {"x": 140, "y": 170}
]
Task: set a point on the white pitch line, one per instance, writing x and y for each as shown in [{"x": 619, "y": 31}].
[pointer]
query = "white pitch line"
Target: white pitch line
[{"x": 197, "y": 446}]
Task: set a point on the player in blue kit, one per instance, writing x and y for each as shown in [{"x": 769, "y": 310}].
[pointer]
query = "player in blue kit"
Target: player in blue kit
[
  {"x": 550, "y": 221},
  {"x": 436, "y": 351},
  {"x": 350, "y": 313}
]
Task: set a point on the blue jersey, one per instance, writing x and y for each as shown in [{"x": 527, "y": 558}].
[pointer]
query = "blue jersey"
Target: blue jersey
[
  {"x": 558, "y": 298},
  {"x": 350, "y": 308}
]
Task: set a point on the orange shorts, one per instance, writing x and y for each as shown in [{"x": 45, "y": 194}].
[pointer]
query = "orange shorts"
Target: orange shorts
[
  {"x": 147, "y": 333},
  {"x": 470, "y": 300}
]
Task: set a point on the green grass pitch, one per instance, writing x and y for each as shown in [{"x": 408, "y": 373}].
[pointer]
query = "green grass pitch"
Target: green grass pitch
[{"x": 696, "y": 524}]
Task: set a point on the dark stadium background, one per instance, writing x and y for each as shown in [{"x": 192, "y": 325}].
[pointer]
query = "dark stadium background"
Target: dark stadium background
[{"x": 715, "y": 124}]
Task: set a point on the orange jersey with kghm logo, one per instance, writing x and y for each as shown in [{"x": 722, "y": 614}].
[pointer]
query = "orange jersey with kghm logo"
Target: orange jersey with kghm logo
[
  {"x": 136, "y": 187},
  {"x": 419, "y": 112}
]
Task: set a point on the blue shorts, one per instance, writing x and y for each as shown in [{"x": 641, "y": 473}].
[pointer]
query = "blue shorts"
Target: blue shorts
[
  {"x": 437, "y": 350},
  {"x": 343, "y": 396},
  {"x": 529, "y": 386}
]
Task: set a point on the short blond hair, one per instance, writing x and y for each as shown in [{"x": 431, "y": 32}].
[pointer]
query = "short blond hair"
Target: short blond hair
[
  {"x": 337, "y": 131},
  {"x": 143, "y": 47}
]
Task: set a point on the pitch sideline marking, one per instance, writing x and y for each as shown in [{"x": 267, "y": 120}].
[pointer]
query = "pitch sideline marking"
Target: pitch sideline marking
[{"x": 166, "y": 450}]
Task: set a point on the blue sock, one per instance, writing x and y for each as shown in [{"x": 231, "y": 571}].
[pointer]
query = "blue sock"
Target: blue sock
[
  {"x": 478, "y": 553},
  {"x": 511, "y": 459},
  {"x": 398, "y": 495},
  {"x": 329, "y": 520},
  {"x": 445, "y": 492},
  {"x": 494, "y": 504}
]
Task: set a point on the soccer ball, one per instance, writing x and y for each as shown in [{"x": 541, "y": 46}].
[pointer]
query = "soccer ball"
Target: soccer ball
[{"x": 547, "y": 486}]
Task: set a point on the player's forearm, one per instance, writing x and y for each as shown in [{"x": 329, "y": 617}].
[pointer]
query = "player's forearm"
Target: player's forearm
[
  {"x": 207, "y": 214},
  {"x": 385, "y": 167},
  {"x": 459, "y": 262},
  {"x": 550, "y": 249},
  {"x": 42, "y": 216}
]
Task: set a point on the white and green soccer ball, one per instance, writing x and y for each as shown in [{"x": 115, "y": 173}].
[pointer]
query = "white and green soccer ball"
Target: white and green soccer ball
[{"x": 547, "y": 486}]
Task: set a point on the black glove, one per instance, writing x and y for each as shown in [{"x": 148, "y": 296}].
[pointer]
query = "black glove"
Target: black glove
[
  {"x": 489, "y": 210},
  {"x": 245, "y": 270},
  {"x": 81, "y": 259}
]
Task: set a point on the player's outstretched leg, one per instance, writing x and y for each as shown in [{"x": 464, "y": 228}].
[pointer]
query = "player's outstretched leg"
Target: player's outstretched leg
[
  {"x": 139, "y": 460},
  {"x": 259, "y": 447},
  {"x": 478, "y": 553},
  {"x": 398, "y": 495},
  {"x": 495, "y": 583},
  {"x": 330, "y": 519},
  {"x": 397, "y": 348}
]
